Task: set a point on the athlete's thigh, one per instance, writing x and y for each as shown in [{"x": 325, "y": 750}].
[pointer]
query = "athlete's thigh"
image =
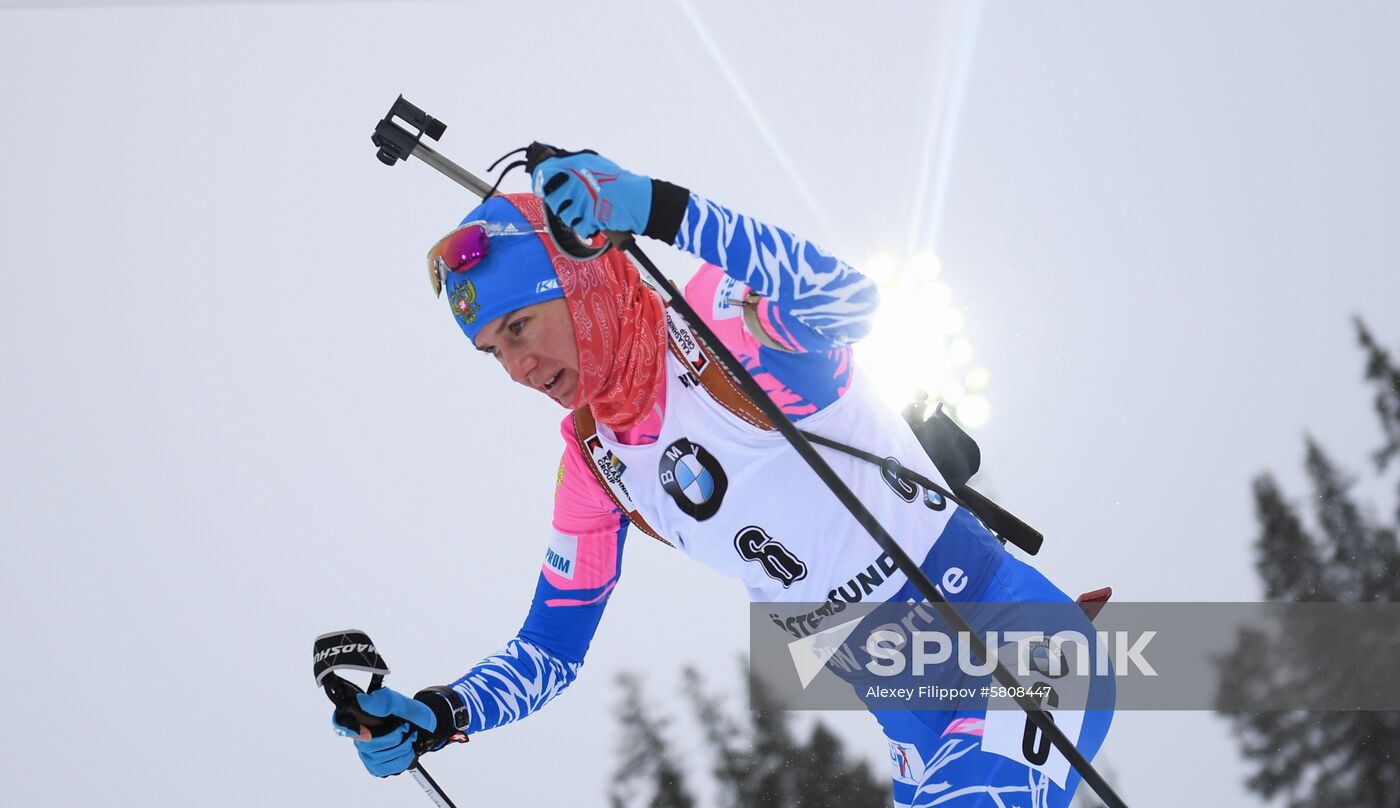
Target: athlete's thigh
[
  {"x": 946, "y": 759},
  {"x": 949, "y": 767}
]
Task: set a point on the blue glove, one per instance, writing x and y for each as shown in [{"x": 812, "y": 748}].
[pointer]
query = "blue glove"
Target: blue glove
[
  {"x": 393, "y": 752},
  {"x": 591, "y": 193}
]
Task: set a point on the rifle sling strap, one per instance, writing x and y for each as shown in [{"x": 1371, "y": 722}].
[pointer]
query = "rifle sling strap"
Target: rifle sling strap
[{"x": 710, "y": 375}]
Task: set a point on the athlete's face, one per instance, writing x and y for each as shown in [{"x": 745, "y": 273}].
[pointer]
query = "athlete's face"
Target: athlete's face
[{"x": 537, "y": 348}]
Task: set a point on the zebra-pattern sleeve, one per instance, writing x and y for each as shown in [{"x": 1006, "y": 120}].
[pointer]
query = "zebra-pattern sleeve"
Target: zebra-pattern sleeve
[
  {"x": 510, "y": 685},
  {"x": 825, "y": 302}
]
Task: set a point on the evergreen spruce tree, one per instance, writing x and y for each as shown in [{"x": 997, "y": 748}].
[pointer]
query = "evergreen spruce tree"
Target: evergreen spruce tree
[
  {"x": 648, "y": 774},
  {"x": 1384, "y": 374},
  {"x": 725, "y": 739},
  {"x": 757, "y": 760},
  {"x": 765, "y": 764},
  {"x": 1320, "y": 759},
  {"x": 832, "y": 779},
  {"x": 773, "y": 762}
]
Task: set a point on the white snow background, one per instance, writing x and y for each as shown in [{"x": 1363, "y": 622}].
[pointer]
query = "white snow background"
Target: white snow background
[{"x": 234, "y": 417}]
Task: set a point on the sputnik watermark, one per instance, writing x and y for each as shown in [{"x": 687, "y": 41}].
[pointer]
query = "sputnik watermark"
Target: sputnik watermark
[
  {"x": 891, "y": 652},
  {"x": 1158, "y": 656},
  {"x": 1036, "y": 653}
]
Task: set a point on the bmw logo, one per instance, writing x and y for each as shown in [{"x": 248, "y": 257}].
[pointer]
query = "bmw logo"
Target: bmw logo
[{"x": 694, "y": 479}]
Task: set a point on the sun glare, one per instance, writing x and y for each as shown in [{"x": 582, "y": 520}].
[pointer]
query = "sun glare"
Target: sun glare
[{"x": 917, "y": 343}]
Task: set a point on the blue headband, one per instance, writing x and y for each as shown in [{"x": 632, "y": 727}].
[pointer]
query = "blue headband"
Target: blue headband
[{"x": 516, "y": 272}]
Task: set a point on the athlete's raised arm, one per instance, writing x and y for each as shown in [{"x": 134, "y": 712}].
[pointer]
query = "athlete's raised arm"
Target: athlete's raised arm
[{"x": 814, "y": 300}]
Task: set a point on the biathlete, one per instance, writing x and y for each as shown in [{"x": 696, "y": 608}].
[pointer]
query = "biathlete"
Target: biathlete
[{"x": 655, "y": 439}]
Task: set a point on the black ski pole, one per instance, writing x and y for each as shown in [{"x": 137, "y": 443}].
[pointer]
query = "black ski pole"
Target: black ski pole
[
  {"x": 354, "y": 650},
  {"x": 396, "y": 143}
]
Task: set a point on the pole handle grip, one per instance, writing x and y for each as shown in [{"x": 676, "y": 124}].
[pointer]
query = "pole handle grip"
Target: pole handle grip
[{"x": 344, "y": 694}]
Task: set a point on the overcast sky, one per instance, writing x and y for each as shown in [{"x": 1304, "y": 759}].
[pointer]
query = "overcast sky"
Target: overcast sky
[{"x": 234, "y": 417}]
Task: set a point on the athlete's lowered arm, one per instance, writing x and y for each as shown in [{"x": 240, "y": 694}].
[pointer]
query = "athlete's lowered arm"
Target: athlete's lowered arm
[{"x": 580, "y": 570}]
